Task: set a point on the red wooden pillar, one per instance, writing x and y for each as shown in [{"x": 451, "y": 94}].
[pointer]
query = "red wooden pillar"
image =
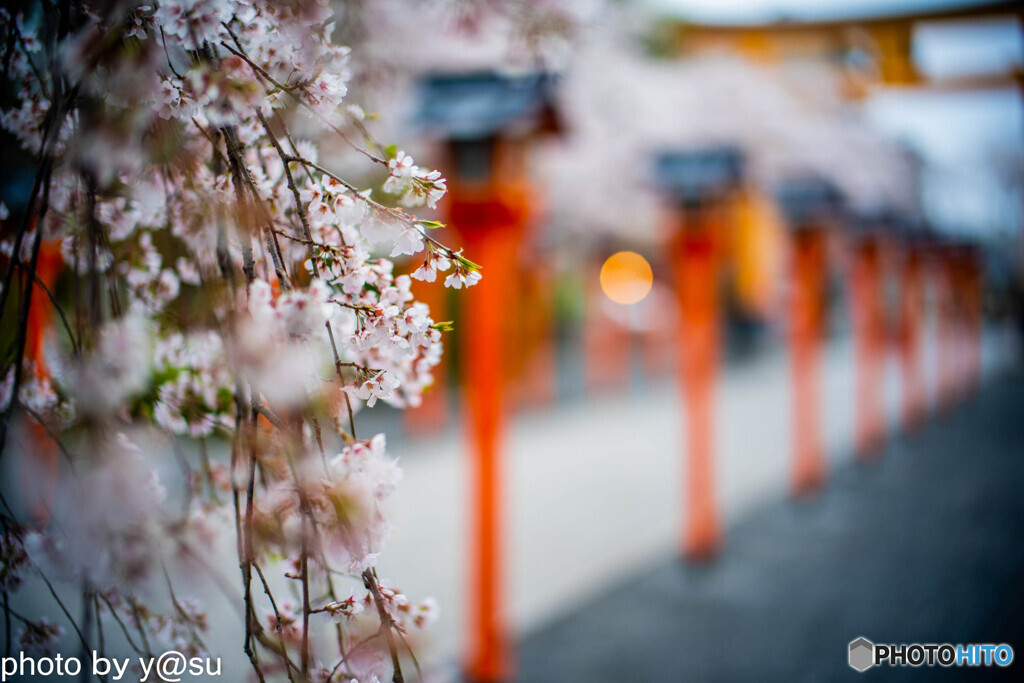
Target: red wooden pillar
[
  {"x": 484, "y": 391},
  {"x": 964, "y": 326},
  {"x": 696, "y": 271},
  {"x": 40, "y": 472},
  {"x": 488, "y": 122},
  {"x": 967, "y": 295},
  {"x": 914, "y": 399},
  {"x": 869, "y": 332},
  {"x": 808, "y": 305},
  {"x": 704, "y": 184},
  {"x": 946, "y": 329},
  {"x": 491, "y": 241},
  {"x": 974, "y": 290},
  {"x": 959, "y": 323},
  {"x": 490, "y": 215}
]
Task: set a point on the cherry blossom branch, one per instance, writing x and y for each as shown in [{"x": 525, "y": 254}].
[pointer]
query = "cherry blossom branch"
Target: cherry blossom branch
[
  {"x": 218, "y": 166},
  {"x": 250, "y": 553},
  {"x": 64, "y": 609},
  {"x": 262, "y": 73},
  {"x": 75, "y": 344},
  {"x": 41, "y": 191},
  {"x": 262, "y": 409},
  {"x": 308, "y": 237},
  {"x": 355, "y": 648},
  {"x": 99, "y": 623},
  {"x": 181, "y": 610},
  {"x": 385, "y": 211},
  {"x": 53, "y": 435},
  {"x": 386, "y": 622},
  {"x": 8, "y": 635},
  {"x": 117, "y": 618},
  {"x": 237, "y": 165},
  {"x": 277, "y": 617},
  {"x": 137, "y": 617}
]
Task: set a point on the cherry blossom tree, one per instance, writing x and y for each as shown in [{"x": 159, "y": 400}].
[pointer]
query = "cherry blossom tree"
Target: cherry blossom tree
[{"x": 221, "y": 284}]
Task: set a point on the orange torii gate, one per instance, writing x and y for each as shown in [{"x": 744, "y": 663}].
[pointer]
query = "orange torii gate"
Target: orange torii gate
[
  {"x": 883, "y": 45},
  {"x": 945, "y": 327},
  {"x": 813, "y": 206},
  {"x": 488, "y": 122},
  {"x": 959, "y": 343},
  {"x": 885, "y": 40},
  {"x": 40, "y": 462},
  {"x": 871, "y": 332},
  {"x": 703, "y": 185},
  {"x": 914, "y": 398},
  {"x": 973, "y": 292}
]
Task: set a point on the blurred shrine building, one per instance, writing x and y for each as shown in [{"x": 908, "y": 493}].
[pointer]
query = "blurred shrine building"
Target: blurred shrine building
[{"x": 787, "y": 98}]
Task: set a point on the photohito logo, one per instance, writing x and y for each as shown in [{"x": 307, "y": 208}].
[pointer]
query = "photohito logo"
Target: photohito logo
[{"x": 864, "y": 654}]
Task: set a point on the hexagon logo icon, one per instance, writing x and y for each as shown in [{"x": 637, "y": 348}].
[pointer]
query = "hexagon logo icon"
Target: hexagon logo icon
[{"x": 862, "y": 654}]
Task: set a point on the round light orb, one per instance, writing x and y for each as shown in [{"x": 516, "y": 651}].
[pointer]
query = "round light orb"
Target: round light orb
[{"x": 626, "y": 277}]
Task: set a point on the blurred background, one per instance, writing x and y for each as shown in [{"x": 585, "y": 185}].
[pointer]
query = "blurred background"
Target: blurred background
[
  {"x": 742, "y": 380},
  {"x": 751, "y": 296}
]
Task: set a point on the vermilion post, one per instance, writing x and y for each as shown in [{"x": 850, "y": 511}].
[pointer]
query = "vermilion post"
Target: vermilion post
[
  {"x": 488, "y": 122},
  {"x": 484, "y": 389},
  {"x": 959, "y": 322},
  {"x": 974, "y": 289},
  {"x": 40, "y": 473},
  {"x": 809, "y": 272},
  {"x": 911, "y": 323},
  {"x": 946, "y": 329},
  {"x": 490, "y": 220},
  {"x": 696, "y": 271},
  {"x": 869, "y": 332},
  {"x": 704, "y": 185}
]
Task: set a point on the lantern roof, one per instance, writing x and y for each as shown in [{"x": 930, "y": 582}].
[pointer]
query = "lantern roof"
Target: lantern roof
[
  {"x": 472, "y": 106},
  {"x": 700, "y": 173},
  {"x": 809, "y": 198}
]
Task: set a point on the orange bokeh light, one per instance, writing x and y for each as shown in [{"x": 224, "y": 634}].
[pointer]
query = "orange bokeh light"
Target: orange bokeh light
[{"x": 626, "y": 277}]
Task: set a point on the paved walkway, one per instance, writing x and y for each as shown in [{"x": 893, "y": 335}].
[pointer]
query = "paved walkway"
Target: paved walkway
[
  {"x": 593, "y": 512},
  {"x": 593, "y": 487},
  {"x": 923, "y": 545}
]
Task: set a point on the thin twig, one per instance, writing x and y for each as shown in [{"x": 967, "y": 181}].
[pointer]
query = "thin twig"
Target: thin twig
[
  {"x": 386, "y": 623},
  {"x": 117, "y": 618},
  {"x": 262, "y": 73},
  {"x": 277, "y": 612},
  {"x": 308, "y": 236},
  {"x": 75, "y": 345}
]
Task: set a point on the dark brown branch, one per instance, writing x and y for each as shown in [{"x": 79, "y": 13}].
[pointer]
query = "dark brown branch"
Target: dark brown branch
[
  {"x": 117, "y": 618},
  {"x": 308, "y": 236},
  {"x": 277, "y": 615},
  {"x": 251, "y": 625},
  {"x": 57, "y": 307},
  {"x": 262, "y": 73},
  {"x": 386, "y": 623}
]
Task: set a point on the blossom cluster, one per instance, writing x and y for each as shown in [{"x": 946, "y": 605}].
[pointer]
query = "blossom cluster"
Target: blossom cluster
[
  {"x": 217, "y": 284},
  {"x": 417, "y": 185}
]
